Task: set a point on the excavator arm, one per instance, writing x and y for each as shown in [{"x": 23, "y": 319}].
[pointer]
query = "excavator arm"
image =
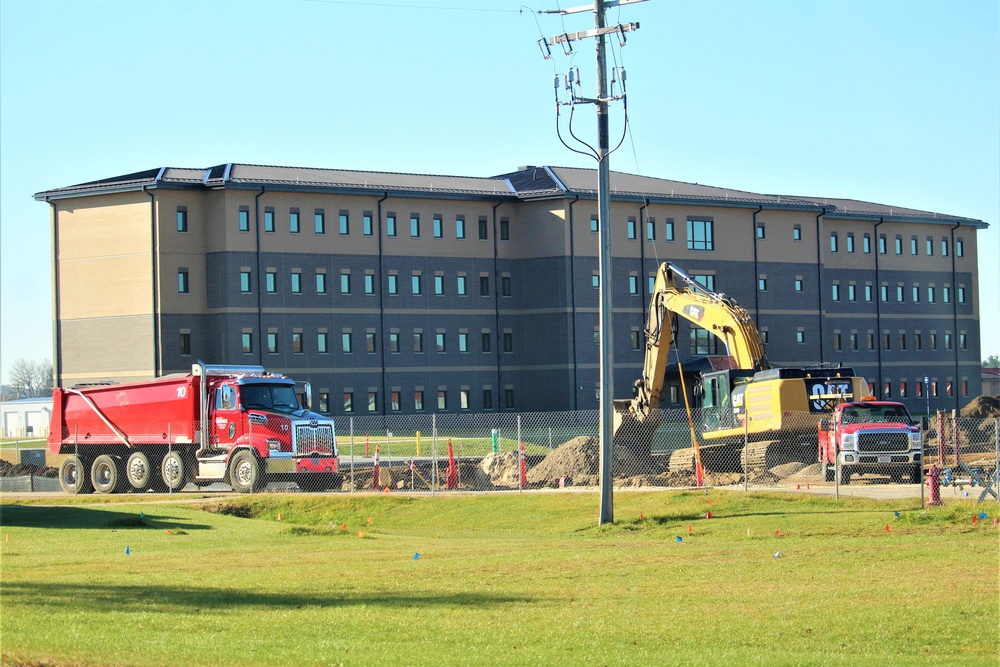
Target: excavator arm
[{"x": 676, "y": 294}]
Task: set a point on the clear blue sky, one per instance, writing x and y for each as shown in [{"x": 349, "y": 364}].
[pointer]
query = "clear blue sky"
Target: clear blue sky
[{"x": 891, "y": 102}]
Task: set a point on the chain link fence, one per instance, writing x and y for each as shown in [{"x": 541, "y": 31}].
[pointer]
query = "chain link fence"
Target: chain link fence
[{"x": 842, "y": 454}]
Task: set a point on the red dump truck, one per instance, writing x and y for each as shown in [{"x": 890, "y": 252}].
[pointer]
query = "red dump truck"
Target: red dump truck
[
  {"x": 234, "y": 424},
  {"x": 870, "y": 437}
]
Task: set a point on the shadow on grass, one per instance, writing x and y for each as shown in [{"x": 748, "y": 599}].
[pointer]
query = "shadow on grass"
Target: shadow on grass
[
  {"x": 173, "y": 599},
  {"x": 33, "y": 516}
]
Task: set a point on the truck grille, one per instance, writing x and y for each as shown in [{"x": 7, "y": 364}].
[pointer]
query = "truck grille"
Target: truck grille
[
  {"x": 883, "y": 442},
  {"x": 314, "y": 438}
]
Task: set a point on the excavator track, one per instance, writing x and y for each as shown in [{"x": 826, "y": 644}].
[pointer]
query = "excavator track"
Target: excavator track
[{"x": 767, "y": 454}]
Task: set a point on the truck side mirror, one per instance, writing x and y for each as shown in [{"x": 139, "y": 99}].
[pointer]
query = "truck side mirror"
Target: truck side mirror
[
  {"x": 307, "y": 397},
  {"x": 824, "y": 423}
]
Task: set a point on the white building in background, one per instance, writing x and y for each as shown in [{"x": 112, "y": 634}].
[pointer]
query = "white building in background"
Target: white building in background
[{"x": 26, "y": 418}]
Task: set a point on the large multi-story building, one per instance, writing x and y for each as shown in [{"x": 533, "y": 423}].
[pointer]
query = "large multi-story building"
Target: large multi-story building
[{"x": 407, "y": 292}]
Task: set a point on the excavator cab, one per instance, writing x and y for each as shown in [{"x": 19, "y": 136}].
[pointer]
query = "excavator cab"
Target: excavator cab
[{"x": 722, "y": 402}]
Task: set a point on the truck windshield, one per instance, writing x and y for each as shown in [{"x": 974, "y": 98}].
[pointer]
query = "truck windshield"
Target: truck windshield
[
  {"x": 279, "y": 398},
  {"x": 875, "y": 414}
]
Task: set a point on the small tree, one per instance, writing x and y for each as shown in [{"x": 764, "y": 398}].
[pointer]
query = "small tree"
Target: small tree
[{"x": 992, "y": 361}]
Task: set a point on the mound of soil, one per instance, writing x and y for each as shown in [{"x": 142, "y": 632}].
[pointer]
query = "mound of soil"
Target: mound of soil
[
  {"x": 8, "y": 469},
  {"x": 787, "y": 469},
  {"x": 982, "y": 407},
  {"x": 574, "y": 459}
]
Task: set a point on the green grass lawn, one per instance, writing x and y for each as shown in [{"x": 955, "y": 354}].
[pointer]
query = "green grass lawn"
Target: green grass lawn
[{"x": 513, "y": 579}]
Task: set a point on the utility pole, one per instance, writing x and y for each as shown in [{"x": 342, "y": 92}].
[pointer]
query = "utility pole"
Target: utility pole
[{"x": 601, "y": 154}]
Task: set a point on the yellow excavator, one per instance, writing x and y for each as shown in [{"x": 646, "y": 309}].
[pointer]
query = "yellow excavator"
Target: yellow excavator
[{"x": 746, "y": 400}]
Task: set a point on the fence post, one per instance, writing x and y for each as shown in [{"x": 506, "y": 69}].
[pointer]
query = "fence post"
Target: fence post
[
  {"x": 954, "y": 433},
  {"x": 996, "y": 460},
  {"x": 76, "y": 454},
  {"x": 940, "y": 434},
  {"x": 434, "y": 450},
  {"x": 418, "y": 443},
  {"x": 746, "y": 455},
  {"x": 170, "y": 487},
  {"x": 351, "y": 428}
]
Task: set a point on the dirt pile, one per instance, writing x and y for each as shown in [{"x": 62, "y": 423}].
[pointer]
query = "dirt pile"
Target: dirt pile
[
  {"x": 574, "y": 458},
  {"x": 8, "y": 469},
  {"x": 982, "y": 407}
]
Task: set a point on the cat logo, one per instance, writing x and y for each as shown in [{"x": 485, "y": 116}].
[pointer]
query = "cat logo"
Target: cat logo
[{"x": 694, "y": 312}]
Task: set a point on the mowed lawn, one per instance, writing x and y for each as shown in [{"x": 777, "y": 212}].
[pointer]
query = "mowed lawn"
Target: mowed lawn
[{"x": 515, "y": 579}]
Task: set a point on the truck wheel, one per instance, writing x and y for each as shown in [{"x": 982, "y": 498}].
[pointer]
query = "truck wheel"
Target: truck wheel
[
  {"x": 828, "y": 472},
  {"x": 104, "y": 474},
  {"x": 174, "y": 471},
  {"x": 137, "y": 470},
  {"x": 74, "y": 476},
  {"x": 845, "y": 476},
  {"x": 244, "y": 472}
]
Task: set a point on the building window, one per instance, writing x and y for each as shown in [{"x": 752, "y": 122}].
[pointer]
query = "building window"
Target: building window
[
  {"x": 504, "y": 229},
  {"x": 593, "y": 224},
  {"x": 764, "y": 336},
  {"x": 700, "y": 235},
  {"x": 882, "y": 244},
  {"x": 870, "y": 340},
  {"x": 460, "y": 288},
  {"x": 345, "y": 223},
  {"x": 485, "y": 341},
  {"x": 414, "y": 225},
  {"x": 463, "y": 343},
  {"x": 867, "y": 243},
  {"x": 760, "y": 230},
  {"x": 887, "y": 389},
  {"x": 886, "y": 341},
  {"x": 800, "y": 337},
  {"x": 393, "y": 283},
  {"x": 508, "y": 398},
  {"x": 934, "y": 388},
  {"x": 669, "y": 231},
  {"x": 394, "y": 342},
  {"x": 487, "y": 399},
  {"x": 946, "y": 294},
  {"x": 965, "y": 387},
  {"x": 930, "y": 294},
  {"x": 182, "y": 281},
  {"x": 439, "y": 342},
  {"x": 959, "y": 248},
  {"x": 899, "y": 293},
  {"x": 484, "y": 286},
  {"x": 595, "y": 280},
  {"x": 483, "y": 228},
  {"x": 963, "y": 341},
  {"x": 899, "y": 244},
  {"x": 372, "y": 401},
  {"x": 460, "y": 227},
  {"x": 836, "y": 341},
  {"x": 933, "y": 341},
  {"x": 706, "y": 280},
  {"x": 245, "y": 282},
  {"x": 930, "y": 246},
  {"x": 442, "y": 399},
  {"x": 182, "y": 219},
  {"x": 244, "y": 219},
  {"x": 390, "y": 224},
  {"x": 185, "y": 344},
  {"x": 852, "y": 293},
  {"x": 463, "y": 399},
  {"x": 918, "y": 341},
  {"x": 319, "y": 217},
  {"x": 367, "y": 224},
  {"x": 370, "y": 342},
  {"x": 947, "y": 341},
  {"x": 438, "y": 226},
  {"x": 636, "y": 337},
  {"x": 913, "y": 245},
  {"x": 269, "y": 220},
  {"x": 395, "y": 401},
  {"x": 651, "y": 230},
  {"x": 798, "y": 284},
  {"x": 633, "y": 230},
  {"x": 247, "y": 341},
  {"x": 854, "y": 342},
  {"x": 762, "y": 284},
  {"x": 902, "y": 341},
  {"x": 270, "y": 282},
  {"x": 294, "y": 226},
  {"x": 652, "y": 283},
  {"x": 320, "y": 283},
  {"x": 915, "y": 294},
  {"x": 346, "y": 343},
  {"x": 418, "y": 400},
  {"x": 369, "y": 283},
  {"x": 272, "y": 342},
  {"x": 834, "y": 242},
  {"x": 868, "y": 293},
  {"x": 505, "y": 285},
  {"x": 884, "y": 289},
  {"x": 415, "y": 283},
  {"x": 439, "y": 285},
  {"x": 348, "y": 401},
  {"x": 835, "y": 292},
  {"x": 633, "y": 285},
  {"x": 961, "y": 295},
  {"x": 418, "y": 342},
  {"x": 508, "y": 342},
  {"x": 296, "y": 283},
  {"x": 703, "y": 342},
  {"x": 321, "y": 342},
  {"x": 850, "y": 242},
  {"x": 918, "y": 389},
  {"x": 345, "y": 283},
  {"x": 797, "y": 233}
]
